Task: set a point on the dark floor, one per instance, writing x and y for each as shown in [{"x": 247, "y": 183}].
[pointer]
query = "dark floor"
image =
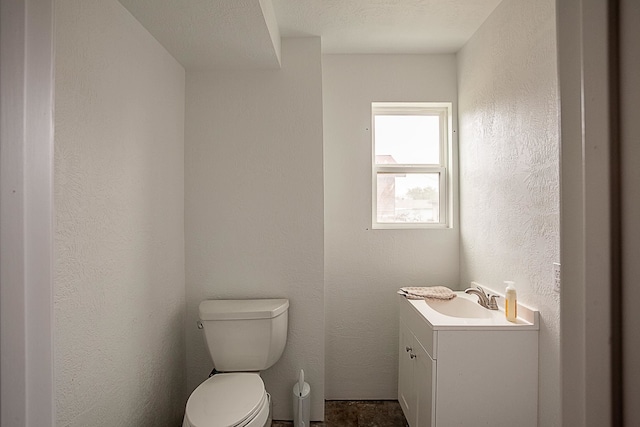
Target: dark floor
[{"x": 358, "y": 413}]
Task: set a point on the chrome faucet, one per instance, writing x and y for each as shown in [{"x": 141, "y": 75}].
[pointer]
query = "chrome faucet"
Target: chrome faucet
[{"x": 487, "y": 301}]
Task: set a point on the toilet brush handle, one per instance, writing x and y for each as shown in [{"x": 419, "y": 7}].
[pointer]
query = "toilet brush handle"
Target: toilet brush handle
[{"x": 300, "y": 420}]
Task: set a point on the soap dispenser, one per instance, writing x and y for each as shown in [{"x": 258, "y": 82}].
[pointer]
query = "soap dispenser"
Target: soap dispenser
[{"x": 510, "y": 302}]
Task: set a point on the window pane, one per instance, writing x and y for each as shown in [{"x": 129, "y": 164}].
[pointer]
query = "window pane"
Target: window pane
[
  {"x": 408, "y": 197},
  {"x": 407, "y": 139}
]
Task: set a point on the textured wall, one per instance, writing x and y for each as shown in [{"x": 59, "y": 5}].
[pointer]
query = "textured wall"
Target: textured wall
[
  {"x": 254, "y": 207},
  {"x": 365, "y": 267},
  {"x": 509, "y": 163},
  {"x": 119, "y": 196}
]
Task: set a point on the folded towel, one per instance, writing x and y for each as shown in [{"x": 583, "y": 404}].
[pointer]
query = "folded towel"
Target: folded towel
[{"x": 421, "y": 292}]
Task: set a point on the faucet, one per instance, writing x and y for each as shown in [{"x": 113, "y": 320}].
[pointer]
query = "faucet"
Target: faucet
[{"x": 487, "y": 301}]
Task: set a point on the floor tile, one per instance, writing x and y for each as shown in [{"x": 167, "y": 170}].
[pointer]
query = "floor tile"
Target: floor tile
[{"x": 358, "y": 413}]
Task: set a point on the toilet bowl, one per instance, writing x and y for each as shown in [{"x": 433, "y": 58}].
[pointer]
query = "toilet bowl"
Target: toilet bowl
[
  {"x": 229, "y": 400},
  {"x": 243, "y": 337}
]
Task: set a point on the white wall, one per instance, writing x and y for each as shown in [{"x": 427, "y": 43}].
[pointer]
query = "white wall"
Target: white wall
[
  {"x": 254, "y": 207},
  {"x": 365, "y": 267},
  {"x": 119, "y": 195},
  {"x": 509, "y": 163}
]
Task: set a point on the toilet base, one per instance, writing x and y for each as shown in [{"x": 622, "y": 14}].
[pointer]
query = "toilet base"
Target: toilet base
[{"x": 270, "y": 418}]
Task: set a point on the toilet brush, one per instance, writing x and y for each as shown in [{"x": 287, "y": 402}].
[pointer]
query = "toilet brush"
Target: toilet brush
[{"x": 301, "y": 409}]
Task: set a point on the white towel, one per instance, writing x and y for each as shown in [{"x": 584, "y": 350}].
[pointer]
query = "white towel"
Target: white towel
[{"x": 422, "y": 292}]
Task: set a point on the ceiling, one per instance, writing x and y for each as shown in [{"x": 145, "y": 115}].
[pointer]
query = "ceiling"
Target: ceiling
[{"x": 209, "y": 34}]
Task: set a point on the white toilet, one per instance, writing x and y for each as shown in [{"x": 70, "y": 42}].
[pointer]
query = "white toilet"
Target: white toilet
[{"x": 243, "y": 337}]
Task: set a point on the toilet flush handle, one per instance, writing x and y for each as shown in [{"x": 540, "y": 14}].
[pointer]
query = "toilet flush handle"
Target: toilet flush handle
[{"x": 200, "y": 326}]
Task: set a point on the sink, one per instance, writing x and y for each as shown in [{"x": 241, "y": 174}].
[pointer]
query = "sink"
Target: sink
[
  {"x": 464, "y": 313},
  {"x": 459, "y": 307}
]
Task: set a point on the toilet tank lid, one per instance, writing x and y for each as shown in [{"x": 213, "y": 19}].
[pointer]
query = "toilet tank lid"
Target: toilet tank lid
[{"x": 242, "y": 309}]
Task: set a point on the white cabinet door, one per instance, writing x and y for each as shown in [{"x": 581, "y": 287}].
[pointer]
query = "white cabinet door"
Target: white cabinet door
[
  {"x": 424, "y": 378},
  {"x": 406, "y": 389}
]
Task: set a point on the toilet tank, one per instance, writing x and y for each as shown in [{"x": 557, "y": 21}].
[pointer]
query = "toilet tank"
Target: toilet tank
[{"x": 245, "y": 335}]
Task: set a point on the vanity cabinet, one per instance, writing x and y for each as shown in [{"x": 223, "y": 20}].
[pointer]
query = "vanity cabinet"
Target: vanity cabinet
[{"x": 466, "y": 375}]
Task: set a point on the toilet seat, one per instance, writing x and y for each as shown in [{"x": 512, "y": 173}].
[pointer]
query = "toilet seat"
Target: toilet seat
[{"x": 228, "y": 400}]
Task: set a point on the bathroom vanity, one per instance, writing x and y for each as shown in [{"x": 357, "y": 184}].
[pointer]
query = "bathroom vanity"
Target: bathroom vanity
[{"x": 463, "y": 365}]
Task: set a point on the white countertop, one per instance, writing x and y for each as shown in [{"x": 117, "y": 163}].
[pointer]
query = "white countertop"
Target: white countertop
[{"x": 495, "y": 320}]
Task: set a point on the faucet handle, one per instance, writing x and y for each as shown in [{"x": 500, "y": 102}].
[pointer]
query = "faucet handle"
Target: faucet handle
[{"x": 493, "y": 305}]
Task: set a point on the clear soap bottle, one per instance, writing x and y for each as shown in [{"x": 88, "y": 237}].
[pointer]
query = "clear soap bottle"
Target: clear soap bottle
[{"x": 510, "y": 302}]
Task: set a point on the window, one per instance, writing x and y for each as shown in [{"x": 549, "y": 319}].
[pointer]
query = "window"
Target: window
[{"x": 411, "y": 169}]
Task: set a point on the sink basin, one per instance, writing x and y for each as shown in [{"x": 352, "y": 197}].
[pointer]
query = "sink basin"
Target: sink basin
[
  {"x": 463, "y": 313},
  {"x": 459, "y": 307}
]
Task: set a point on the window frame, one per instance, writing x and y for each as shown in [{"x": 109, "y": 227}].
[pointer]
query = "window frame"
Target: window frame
[{"x": 444, "y": 169}]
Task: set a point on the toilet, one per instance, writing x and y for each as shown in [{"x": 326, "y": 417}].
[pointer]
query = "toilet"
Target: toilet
[{"x": 244, "y": 337}]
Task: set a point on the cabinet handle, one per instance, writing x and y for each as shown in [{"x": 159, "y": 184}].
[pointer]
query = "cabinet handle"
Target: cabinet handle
[
  {"x": 408, "y": 349},
  {"x": 413, "y": 356}
]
